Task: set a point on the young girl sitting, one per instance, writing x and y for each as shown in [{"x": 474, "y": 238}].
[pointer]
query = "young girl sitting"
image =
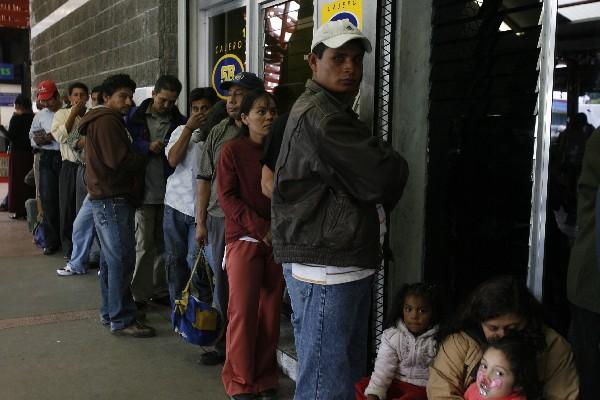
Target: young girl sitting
[
  {"x": 407, "y": 347},
  {"x": 507, "y": 371}
]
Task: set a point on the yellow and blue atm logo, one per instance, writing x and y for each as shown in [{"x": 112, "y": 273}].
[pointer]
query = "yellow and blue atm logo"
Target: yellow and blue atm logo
[
  {"x": 346, "y": 15},
  {"x": 225, "y": 69},
  {"x": 342, "y": 9}
]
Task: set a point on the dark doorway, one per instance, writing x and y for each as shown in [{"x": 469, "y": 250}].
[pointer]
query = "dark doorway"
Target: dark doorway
[{"x": 481, "y": 141}]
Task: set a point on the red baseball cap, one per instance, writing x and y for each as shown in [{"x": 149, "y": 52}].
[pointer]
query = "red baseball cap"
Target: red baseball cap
[{"x": 46, "y": 90}]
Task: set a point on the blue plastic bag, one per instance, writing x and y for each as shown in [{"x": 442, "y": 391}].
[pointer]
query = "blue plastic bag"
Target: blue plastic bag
[
  {"x": 197, "y": 321},
  {"x": 38, "y": 235}
]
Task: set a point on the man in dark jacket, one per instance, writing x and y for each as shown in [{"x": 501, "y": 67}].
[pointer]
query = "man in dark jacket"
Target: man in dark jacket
[
  {"x": 151, "y": 125},
  {"x": 113, "y": 180},
  {"x": 330, "y": 177}
]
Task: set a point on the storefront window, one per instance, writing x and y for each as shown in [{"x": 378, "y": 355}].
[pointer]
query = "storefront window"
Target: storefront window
[
  {"x": 288, "y": 34},
  {"x": 227, "y": 47}
]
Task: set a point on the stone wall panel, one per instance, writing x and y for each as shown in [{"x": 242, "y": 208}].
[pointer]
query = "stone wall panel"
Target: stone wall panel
[{"x": 104, "y": 37}]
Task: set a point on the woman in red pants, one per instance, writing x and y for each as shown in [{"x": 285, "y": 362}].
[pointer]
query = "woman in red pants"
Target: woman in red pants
[{"x": 255, "y": 279}]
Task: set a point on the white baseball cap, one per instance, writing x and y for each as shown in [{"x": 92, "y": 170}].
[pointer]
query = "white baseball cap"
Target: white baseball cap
[{"x": 335, "y": 34}]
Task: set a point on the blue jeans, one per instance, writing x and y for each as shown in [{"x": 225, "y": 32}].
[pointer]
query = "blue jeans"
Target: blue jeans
[
  {"x": 180, "y": 249},
  {"x": 330, "y": 330},
  {"x": 114, "y": 220},
  {"x": 83, "y": 237}
]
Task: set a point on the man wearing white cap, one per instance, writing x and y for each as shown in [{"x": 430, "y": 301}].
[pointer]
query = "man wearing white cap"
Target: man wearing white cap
[{"x": 330, "y": 175}]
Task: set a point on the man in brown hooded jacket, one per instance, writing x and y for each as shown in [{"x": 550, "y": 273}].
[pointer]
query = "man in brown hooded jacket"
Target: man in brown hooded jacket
[{"x": 114, "y": 175}]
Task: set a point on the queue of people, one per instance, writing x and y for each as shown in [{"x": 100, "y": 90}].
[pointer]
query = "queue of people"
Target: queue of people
[{"x": 298, "y": 201}]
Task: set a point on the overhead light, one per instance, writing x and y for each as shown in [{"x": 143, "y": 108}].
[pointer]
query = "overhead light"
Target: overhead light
[{"x": 561, "y": 64}]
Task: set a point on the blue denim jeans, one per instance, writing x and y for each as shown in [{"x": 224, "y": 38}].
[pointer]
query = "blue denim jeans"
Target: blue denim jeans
[
  {"x": 83, "y": 237},
  {"x": 180, "y": 249},
  {"x": 114, "y": 220},
  {"x": 330, "y": 330}
]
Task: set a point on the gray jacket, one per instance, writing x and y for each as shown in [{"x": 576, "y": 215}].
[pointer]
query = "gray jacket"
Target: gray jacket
[{"x": 330, "y": 174}]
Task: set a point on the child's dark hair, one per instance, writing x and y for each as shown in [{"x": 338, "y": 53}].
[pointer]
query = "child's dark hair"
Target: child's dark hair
[
  {"x": 429, "y": 292},
  {"x": 521, "y": 355},
  {"x": 248, "y": 102}
]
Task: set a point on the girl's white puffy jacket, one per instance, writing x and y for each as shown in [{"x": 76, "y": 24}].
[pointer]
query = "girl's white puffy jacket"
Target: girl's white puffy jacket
[{"x": 404, "y": 357}]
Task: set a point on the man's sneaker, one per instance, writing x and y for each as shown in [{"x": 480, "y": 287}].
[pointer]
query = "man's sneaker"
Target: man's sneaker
[
  {"x": 68, "y": 271},
  {"x": 136, "y": 330},
  {"x": 212, "y": 358}
]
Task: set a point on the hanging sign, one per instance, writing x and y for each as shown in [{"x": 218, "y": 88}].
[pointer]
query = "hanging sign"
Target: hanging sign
[
  {"x": 226, "y": 68},
  {"x": 7, "y": 72},
  {"x": 14, "y": 14},
  {"x": 342, "y": 9}
]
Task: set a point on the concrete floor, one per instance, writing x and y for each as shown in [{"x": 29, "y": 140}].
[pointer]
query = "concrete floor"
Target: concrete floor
[{"x": 52, "y": 345}]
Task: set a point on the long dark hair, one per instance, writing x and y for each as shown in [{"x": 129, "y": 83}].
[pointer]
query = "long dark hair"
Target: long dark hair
[
  {"x": 494, "y": 298},
  {"x": 429, "y": 292},
  {"x": 246, "y": 106},
  {"x": 521, "y": 356}
]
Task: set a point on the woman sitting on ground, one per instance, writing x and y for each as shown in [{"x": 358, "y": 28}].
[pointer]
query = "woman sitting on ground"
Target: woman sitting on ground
[{"x": 495, "y": 308}]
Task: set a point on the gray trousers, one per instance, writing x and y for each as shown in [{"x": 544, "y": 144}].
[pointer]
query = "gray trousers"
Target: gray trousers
[
  {"x": 150, "y": 276},
  {"x": 216, "y": 240}
]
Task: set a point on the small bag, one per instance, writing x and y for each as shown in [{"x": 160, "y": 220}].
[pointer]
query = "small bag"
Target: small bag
[{"x": 197, "y": 321}]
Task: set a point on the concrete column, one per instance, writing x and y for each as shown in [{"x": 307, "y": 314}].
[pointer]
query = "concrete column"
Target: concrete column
[{"x": 410, "y": 137}]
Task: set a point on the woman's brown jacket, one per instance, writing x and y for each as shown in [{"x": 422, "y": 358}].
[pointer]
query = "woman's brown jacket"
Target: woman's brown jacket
[{"x": 452, "y": 370}]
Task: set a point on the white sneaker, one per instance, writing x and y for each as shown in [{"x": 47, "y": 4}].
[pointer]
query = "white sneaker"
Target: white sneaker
[{"x": 67, "y": 271}]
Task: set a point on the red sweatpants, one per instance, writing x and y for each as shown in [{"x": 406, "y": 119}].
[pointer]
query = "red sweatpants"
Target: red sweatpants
[
  {"x": 398, "y": 390},
  {"x": 255, "y": 294}
]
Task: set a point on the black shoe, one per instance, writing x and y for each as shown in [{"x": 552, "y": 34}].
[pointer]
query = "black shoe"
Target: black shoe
[
  {"x": 212, "y": 358},
  {"x": 136, "y": 330},
  {"x": 244, "y": 396},
  {"x": 48, "y": 251}
]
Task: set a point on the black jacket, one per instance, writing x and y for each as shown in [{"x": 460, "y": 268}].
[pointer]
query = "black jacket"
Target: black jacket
[
  {"x": 138, "y": 127},
  {"x": 330, "y": 174},
  {"x": 18, "y": 131}
]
